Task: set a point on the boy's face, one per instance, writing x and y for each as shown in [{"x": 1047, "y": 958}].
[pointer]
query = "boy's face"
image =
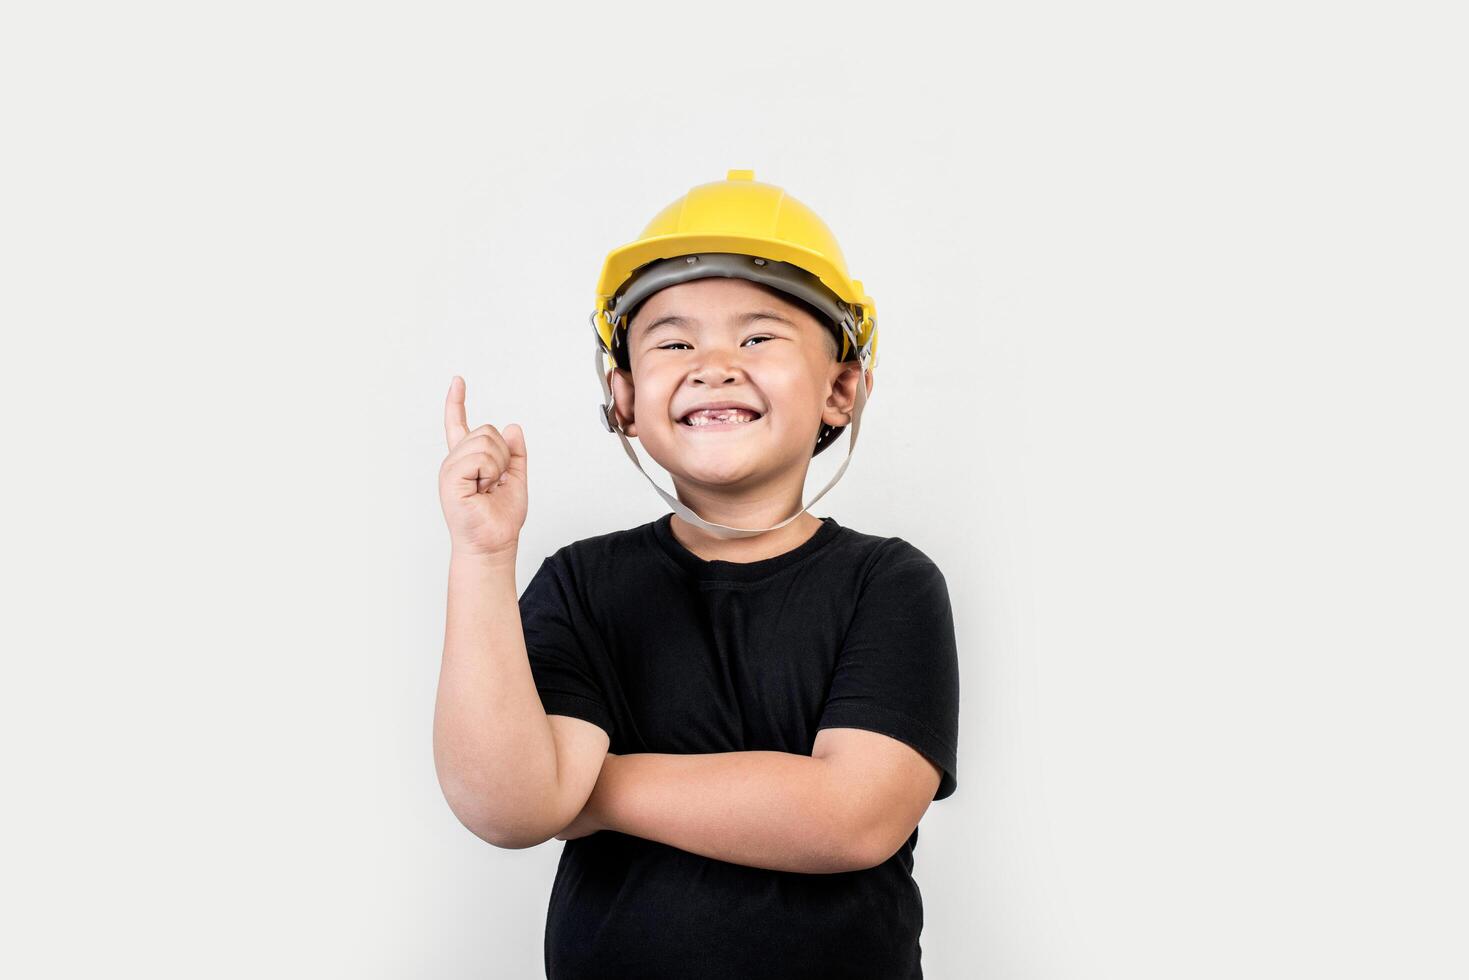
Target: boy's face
[{"x": 729, "y": 340}]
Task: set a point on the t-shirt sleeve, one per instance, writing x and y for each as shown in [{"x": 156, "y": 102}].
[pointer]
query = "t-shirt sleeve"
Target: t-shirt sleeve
[
  {"x": 556, "y": 632},
  {"x": 898, "y": 670}
]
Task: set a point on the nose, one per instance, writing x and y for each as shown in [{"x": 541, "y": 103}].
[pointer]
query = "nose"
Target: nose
[{"x": 719, "y": 365}]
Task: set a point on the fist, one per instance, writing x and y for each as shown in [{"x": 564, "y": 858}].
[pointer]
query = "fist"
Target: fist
[{"x": 482, "y": 482}]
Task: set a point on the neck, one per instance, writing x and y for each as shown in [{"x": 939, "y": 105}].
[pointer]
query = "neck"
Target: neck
[{"x": 756, "y": 547}]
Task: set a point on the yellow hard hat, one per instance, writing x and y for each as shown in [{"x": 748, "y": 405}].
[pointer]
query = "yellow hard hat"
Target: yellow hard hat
[
  {"x": 742, "y": 216},
  {"x": 736, "y": 227}
]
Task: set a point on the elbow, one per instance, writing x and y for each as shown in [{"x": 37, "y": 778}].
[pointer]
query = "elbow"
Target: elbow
[
  {"x": 863, "y": 858},
  {"x": 494, "y": 833},
  {"x": 516, "y": 841},
  {"x": 864, "y": 831},
  {"x": 873, "y": 842},
  {"x": 509, "y": 835},
  {"x": 507, "y": 828}
]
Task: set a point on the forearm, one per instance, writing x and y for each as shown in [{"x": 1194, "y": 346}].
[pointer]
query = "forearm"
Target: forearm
[
  {"x": 493, "y": 745},
  {"x": 775, "y": 810}
]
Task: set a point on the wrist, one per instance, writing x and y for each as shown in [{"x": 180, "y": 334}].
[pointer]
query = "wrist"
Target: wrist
[{"x": 500, "y": 559}]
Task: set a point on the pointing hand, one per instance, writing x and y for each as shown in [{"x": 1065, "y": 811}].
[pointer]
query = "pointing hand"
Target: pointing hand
[{"x": 482, "y": 482}]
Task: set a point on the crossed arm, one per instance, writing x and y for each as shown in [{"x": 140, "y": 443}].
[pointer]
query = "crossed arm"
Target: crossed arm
[{"x": 847, "y": 806}]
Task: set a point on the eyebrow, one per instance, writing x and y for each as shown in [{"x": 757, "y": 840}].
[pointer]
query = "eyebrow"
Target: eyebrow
[{"x": 675, "y": 320}]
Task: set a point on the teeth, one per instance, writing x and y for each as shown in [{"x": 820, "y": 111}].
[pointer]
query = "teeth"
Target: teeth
[{"x": 710, "y": 417}]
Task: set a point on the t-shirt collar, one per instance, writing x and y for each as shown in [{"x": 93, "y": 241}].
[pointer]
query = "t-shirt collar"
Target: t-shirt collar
[{"x": 737, "y": 571}]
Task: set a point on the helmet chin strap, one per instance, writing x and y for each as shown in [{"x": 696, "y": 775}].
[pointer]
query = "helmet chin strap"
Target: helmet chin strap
[{"x": 609, "y": 421}]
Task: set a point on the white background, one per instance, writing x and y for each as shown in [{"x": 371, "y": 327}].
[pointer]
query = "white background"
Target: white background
[{"x": 1173, "y": 307}]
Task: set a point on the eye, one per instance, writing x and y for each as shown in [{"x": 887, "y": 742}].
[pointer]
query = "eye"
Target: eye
[{"x": 681, "y": 344}]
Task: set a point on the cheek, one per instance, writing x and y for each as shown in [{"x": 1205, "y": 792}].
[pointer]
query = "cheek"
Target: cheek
[
  {"x": 653, "y": 395},
  {"x": 791, "y": 390}
]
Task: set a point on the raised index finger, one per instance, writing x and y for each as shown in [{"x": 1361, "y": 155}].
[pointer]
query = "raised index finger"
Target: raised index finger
[{"x": 456, "y": 426}]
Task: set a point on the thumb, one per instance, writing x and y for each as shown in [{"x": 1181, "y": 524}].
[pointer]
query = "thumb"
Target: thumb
[{"x": 515, "y": 439}]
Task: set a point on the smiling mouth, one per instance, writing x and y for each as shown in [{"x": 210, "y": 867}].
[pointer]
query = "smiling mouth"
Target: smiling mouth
[{"x": 719, "y": 426}]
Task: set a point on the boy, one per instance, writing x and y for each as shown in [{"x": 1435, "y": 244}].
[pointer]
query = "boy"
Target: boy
[{"x": 781, "y": 700}]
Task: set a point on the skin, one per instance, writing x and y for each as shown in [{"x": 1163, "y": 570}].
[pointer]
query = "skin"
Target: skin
[{"x": 742, "y": 342}]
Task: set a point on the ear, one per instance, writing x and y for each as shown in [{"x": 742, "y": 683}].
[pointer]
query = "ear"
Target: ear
[
  {"x": 843, "y": 397},
  {"x": 622, "y": 399}
]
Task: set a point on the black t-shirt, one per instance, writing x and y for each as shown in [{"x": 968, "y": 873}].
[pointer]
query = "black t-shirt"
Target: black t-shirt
[{"x": 671, "y": 653}]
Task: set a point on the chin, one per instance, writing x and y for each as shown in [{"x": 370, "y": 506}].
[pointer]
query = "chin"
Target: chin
[
  {"x": 709, "y": 466},
  {"x": 712, "y": 471}
]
